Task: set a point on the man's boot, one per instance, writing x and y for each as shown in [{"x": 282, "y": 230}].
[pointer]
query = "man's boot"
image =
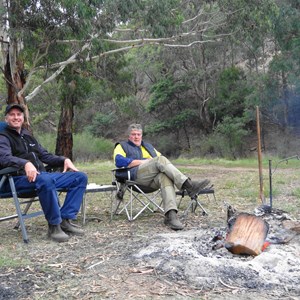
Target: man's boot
[
  {"x": 172, "y": 221},
  {"x": 121, "y": 191},
  {"x": 56, "y": 234},
  {"x": 194, "y": 187},
  {"x": 69, "y": 227}
]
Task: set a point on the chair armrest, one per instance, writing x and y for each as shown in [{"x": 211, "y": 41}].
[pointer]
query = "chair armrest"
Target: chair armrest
[
  {"x": 122, "y": 177},
  {"x": 9, "y": 171},
  {"x": 15, "y": 170}
]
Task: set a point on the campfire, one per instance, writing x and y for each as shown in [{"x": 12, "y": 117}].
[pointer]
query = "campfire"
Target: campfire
[
  {"x": 211, "y": 258},
  {"x": 247, "y": 234}
]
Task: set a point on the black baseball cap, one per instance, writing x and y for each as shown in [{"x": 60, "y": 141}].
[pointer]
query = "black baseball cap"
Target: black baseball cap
[{"x": 13, "y": 105}]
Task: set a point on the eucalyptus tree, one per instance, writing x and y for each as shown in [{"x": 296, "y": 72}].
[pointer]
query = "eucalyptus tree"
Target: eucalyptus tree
[
  {"x": 49, "y": 36},
  {"x": 43, "y": 39},
  {"x": 283, "y": 88},
  {"x": 181, "y": 75}
]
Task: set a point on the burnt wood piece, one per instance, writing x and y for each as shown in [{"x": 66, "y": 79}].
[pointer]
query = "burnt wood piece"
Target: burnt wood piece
[{"x": 246, "y": 235}]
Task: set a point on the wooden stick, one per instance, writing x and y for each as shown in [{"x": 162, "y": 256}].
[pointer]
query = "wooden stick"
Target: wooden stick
[{"x": 261, "y": 186}]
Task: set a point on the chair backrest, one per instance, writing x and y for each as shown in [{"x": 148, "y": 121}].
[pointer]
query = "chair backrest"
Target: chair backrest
[{"x": 3, "y": 125}]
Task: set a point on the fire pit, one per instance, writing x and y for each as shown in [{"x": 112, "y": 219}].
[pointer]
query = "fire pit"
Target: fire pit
[{"x": 188, "y": 256}]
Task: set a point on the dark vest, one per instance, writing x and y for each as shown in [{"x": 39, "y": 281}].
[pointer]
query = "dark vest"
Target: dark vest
[
  {"x": 134, "y": 152},
  {"x": 24, "y": 146}
]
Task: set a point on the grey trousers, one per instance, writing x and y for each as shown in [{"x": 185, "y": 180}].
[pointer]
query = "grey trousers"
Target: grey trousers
[{"x": 160, "y": 173}]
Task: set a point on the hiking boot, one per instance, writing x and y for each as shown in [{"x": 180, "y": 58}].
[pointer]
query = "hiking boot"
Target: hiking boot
[
  {"x": 56, "y": 234},
  {"x": 193, "y": 188},
  {"x": 67, "y": 226},
  {"x": 172, "y": 221}
]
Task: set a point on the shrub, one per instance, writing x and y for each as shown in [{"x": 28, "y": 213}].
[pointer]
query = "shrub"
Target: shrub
[
  {"x": 88, "y": 148},
  {"x": 85, "y": 146},
  {"x": 47, "y": 140}
]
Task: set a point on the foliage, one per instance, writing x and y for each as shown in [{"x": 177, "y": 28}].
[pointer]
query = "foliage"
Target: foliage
[
  {"x": 232, "y": 92},
  {"x": 169, "y": 105},
  {"x": 192, "y": 73},
  {"x": 86, "y": 146},
  {"x": 228, "y": 141},
  {"x": 282, "y": 83},
  {"x": 233, "y": 132},
  {"x": 102, "y": 125},
  {"x": 89, "y": 148}
]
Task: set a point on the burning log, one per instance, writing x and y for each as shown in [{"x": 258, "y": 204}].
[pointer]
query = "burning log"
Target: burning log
[{"x": 246, "y": 234}]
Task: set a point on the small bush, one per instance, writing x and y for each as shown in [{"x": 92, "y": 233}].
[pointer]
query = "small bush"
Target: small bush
[
  {"x": 85, "y": 146},
  {"x": 47, "y": 140},
  {"x": 167, "y": 145},
  {"x": 88, "y": 148}
]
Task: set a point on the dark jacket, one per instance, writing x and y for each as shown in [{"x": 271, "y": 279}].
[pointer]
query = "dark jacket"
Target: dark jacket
[{"x": 17, "y": 149}]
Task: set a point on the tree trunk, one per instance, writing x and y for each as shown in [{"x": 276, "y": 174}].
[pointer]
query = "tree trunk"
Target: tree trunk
[
  {"x": 12, "y": 64},
  {"x": 64, "y": 141}
]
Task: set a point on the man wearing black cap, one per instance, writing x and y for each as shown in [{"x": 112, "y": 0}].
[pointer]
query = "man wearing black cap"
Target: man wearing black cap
[{"x": 18, "y": 148}]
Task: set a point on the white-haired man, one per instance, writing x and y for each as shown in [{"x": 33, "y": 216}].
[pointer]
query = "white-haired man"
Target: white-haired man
[{"x": 149, "y": 168}]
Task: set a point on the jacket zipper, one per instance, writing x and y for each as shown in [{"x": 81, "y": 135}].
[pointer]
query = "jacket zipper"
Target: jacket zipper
[{"x": 27, "y": 150}]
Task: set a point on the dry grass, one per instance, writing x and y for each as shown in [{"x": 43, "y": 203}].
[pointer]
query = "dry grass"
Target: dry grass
[{"x": 98, "y": 265}]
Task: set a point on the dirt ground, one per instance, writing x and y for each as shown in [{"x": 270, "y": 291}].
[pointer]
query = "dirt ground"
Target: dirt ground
[{"x": 143, "y": 259}]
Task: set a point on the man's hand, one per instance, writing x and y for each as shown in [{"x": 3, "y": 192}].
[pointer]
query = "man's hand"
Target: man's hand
[
  {"x": 138, "y": 162},
  {"x": 31, "y": 171},
  {"x": 68, "y": 165}
]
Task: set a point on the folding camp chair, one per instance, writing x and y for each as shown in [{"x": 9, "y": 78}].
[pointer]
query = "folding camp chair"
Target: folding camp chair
[
  {"x": 195, "y": 202},
  {"x": 20, "y": 197},
  {"x": 140, "y": 198},
  {"x": 28, "y": 195}
]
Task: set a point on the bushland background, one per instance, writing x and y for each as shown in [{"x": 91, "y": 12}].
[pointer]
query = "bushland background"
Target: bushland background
[{"x": 191, "y": 72}]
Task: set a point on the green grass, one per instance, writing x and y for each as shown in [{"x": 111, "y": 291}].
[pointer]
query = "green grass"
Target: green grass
[
  {"x": 98, "y": 171},
  {"x": 296, "y": 192},
  {"x": 8, "y": 258},
  {"x": 244, "y": 163}
]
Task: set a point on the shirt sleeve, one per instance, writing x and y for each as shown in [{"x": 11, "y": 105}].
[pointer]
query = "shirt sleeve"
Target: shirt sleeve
[
  {"x": 6, "y": 157},
  {"x": 120, "y": 159},
  {"x": 50, "y": 159}
]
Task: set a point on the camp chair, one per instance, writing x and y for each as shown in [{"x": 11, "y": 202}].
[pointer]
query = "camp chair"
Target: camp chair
[
  {"x": 140, "y": 198},
  {"x": 20, "y": 197},
  {"x": 28, "y": 195},
  {"x": 195, "y": 202}
]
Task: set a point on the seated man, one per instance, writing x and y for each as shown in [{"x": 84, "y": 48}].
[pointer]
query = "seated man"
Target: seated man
[
  {"x": 18, "y": 148},
  {"x": 150, "y": 168}
]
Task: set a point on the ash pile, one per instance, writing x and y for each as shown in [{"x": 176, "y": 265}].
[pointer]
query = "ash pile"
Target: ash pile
[{"x": 197, "y": 258}]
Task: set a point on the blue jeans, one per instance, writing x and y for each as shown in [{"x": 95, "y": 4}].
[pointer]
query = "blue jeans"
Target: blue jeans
[{"x": 47, "y": 184}]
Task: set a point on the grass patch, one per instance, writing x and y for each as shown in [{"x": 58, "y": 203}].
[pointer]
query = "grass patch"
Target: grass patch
[
  {"x": 296, "y": 193},
  {"x": 243, "y": 163},
  {"x": 8, "y": 258}
]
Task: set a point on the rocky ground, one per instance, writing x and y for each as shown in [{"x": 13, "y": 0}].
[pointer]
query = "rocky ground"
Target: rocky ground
[{"x": 145, "y": 260}]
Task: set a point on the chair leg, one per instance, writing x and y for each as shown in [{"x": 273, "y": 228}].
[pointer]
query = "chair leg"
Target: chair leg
[
  {"x": 28, "y": 205},
  {"x": 194, "y": 203},
  {"x": 18, "y": 209},
  {"x": 135, "y": 196}
]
